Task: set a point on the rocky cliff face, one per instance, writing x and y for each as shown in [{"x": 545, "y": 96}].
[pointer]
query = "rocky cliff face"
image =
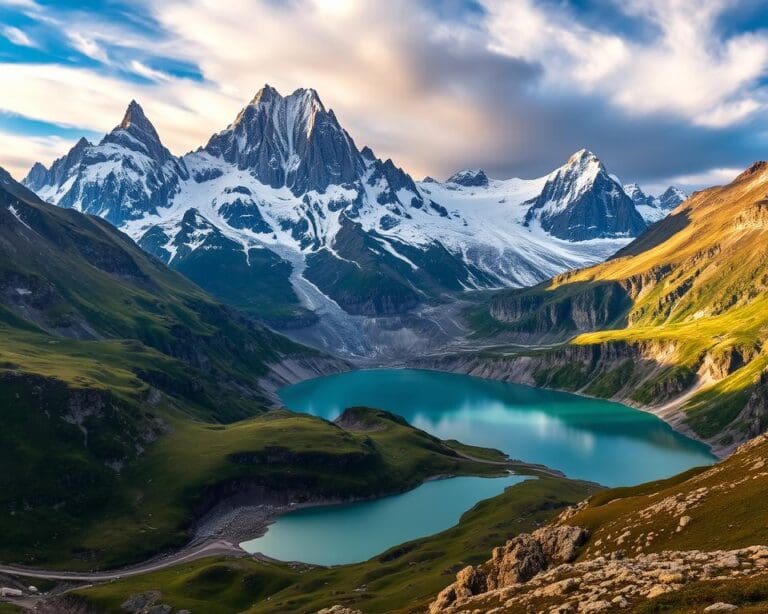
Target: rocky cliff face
[
  {"x": 584, "y": 309},
  {"x": 582, "y": 201},
  {"x": 518, "y": 561}
]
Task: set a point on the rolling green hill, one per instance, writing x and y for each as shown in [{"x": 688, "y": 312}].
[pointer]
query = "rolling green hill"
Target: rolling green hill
[
  {"x": 103, "y": 353},
  {"x": 402, "y": 579},
  {"x": 679, "y": 316}
]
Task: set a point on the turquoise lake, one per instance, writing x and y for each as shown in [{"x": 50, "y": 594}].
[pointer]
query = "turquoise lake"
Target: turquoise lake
[{"x": 585, "y": 438}]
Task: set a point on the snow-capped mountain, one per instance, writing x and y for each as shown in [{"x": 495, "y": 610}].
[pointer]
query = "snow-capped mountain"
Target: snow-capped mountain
[
  {"x": 654, "y": 208},
  {"x": 129, "y": 174},
  {"x": 283, "y": 215},
  {"x": 581, "y": 201},
  {"x": 671, "y": 198}
]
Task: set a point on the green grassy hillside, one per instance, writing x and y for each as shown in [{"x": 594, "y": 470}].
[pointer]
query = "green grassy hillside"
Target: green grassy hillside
[
  {"x": 150, "y": 504},
  {"x": 131, "y": 403},
  {"x": 402, "y": 579},
  {"x": 682, "y": 309}
]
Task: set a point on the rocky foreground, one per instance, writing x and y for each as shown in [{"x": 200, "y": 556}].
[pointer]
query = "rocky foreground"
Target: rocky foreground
[
  {"x": 624, "y": 547},
  {"x": 526, "y": 575}
]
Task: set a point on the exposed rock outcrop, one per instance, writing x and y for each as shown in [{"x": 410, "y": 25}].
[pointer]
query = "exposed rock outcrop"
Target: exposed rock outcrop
[
  {"x": 519, "y": 560},
  {"x": 603, "y": 585}
]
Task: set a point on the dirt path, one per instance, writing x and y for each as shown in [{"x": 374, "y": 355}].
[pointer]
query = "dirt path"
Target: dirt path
[{"x": 218, "y": 547}]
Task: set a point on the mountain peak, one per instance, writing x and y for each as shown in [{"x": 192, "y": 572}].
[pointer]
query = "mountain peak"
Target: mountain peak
[
  {"x": 583, "y": 158},
  {"x": 266, "y": 94},
  {"x": 581, "y": 201},
  {"x": 136, "y": 132},
  {"x": 290, "y": 141},
  {"x": 471, "y": 177},
  {"x": 134, "y": 115}
]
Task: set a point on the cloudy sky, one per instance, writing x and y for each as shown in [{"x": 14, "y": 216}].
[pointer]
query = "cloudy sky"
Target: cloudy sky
[{"x": 664, "y": 91}]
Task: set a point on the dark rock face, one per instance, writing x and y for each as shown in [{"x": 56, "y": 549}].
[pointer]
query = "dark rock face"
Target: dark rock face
[
  {"x": 245, "y": 213},
  {"x": 470, "y": 178},
  {"x": 127, "y": 175},
  {"x": 394, "y": 179},
  {"x": 581, "y": 202},
  {"x": 671, "y": 198},
  {"x": 290, "y": 141}
]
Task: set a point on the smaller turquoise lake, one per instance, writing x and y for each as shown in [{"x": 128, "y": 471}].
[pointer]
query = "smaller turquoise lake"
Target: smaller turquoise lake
[
  {"x": 590, "y": 439},
  {"x": 339, "y": 534}
]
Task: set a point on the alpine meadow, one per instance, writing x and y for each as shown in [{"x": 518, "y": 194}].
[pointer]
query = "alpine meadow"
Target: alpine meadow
[{"x": 351, "y": 307}]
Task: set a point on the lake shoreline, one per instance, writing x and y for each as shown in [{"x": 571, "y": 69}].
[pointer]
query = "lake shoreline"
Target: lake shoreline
[
  {"x": 239, "y": 523},
  {"x": 670, "y": 412}
]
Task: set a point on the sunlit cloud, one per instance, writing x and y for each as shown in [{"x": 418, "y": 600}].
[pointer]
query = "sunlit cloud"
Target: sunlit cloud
[
  {"x": 18, "y": 150},
  {"x": 510, "y": 85}
]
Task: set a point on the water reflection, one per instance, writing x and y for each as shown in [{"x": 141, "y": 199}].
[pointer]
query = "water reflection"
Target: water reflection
[
  {"x": 585, "y": 438},
  {"x": 341, "y": 534}
]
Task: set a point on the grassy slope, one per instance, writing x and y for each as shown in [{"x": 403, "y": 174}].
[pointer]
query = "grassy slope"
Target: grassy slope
[
  {"x": 401, "y": 579},
  {"x": 696, "y": 290},
  {"x": 103, "y": 350},
  {"x": 152, "y": 503},
  {"x": 733, "y": 513}
]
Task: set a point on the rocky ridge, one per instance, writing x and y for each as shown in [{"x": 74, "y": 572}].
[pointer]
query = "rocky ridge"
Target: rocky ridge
[
  {"x": 282, "y": 215},
  {"x": 604, "y": 584},
  {"x": 629, "y": 545}
]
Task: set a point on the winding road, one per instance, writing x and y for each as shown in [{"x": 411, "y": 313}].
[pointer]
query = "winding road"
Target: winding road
[{"x": 218, "y": 547}]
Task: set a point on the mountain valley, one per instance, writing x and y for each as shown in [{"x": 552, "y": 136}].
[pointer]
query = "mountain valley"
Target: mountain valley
[
  {"x": 282, "y": 216},
  {"x": 160, "y": 402}
]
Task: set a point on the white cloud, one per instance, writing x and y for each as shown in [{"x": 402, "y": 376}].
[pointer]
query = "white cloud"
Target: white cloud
[
  {"x": 145, "y": 71},
  {"x": 696, "y": 181},
  {"x": 19, "y": 4},
  {"x": 687, "y": 69},
  {"x": 88, "y": 47},
  {"x": 18, "y": 37},
  {"x": 18, "y": 150}
]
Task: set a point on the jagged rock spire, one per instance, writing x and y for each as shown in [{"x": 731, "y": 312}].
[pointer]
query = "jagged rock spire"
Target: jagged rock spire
[
  {"x": 142, "y": 134},
  {"x": 290, "y": 141}
]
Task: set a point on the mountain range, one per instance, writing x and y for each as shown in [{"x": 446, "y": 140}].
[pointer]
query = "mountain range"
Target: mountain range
[
  {"x": 281, "y": 215},
  {"x": 674, "y": 322}
]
